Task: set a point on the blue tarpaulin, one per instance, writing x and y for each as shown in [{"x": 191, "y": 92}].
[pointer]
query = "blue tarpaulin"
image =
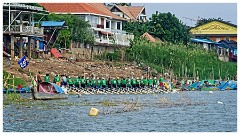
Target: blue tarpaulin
[
  {"x": 52, "y": 23},
  {"x": 202, "y": 41},
  {"x": 58, "y": 88}
]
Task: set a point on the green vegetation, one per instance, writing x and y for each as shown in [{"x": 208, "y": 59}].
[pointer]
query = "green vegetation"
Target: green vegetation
[
  {"x": 78, "y": 30},
  {"x": 17, "y": 81},
  {"x": 14, "y": 98},
  {"x": 179, "y": 58},
  {"x": 165, "y": 26}
]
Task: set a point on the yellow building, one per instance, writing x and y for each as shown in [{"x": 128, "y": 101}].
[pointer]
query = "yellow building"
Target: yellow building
[{"x": 216, "y": 31}]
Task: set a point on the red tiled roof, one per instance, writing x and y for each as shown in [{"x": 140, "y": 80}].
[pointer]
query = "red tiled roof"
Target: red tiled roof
[
  {"x": 131, "y": 11},
  {"x": 125, "y": 10},
  {"x": 148, "y": 37},
  {"x": 104, "y": 9},
  {"x": 72, "y": 8},
  {"x": 135, "y": 10}
]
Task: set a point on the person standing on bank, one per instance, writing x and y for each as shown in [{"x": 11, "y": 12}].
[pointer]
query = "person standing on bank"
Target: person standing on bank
[
  {"x": 39, "y": 78},
  {"x": 47, "y": 78}
]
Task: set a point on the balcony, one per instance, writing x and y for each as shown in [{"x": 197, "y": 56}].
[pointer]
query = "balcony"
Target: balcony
[
  {"x": 100, "y": 26},
  {"x": 29, "y": 30}
]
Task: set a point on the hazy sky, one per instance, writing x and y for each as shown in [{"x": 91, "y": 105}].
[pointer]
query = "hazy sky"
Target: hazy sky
[{"x": 227, "y": 11}]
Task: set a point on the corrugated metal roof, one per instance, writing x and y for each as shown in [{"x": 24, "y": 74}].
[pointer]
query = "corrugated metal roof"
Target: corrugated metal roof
[{"x": 52, "y": 23}]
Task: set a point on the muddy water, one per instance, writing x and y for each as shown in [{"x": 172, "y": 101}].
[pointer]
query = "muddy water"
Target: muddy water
[{"x": 197, "y": 111}]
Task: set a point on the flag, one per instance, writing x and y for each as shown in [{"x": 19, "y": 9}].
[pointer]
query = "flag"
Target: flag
[{"x": 23, "y": 62}]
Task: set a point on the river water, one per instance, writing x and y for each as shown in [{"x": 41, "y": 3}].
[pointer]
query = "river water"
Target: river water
[{"x": 203, "y": 112}]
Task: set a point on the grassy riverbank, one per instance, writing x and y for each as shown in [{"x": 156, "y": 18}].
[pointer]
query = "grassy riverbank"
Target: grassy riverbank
[{"x": 184, "y": 60}]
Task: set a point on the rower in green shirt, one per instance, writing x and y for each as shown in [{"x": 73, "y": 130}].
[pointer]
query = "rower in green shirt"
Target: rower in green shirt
[
  {"x": 124, "y": 82},
  {"x": 155, "y": 82},
  {"x": 142, "y": 83},
  {"x": 114, "y": 83},
  {"x": 55, "y": 79},
  {"x": 161, "y": 80},
  {"x": 138, "y": 83},
  {"x": 133, "y": 81},
  {"x": 104, "y": 83},
  {"x": 77, "y": 82},
  {"x": 83, "y": 83},
  {"x": 128, "y": 82},
  {"x": 145, "y": 81},
  {"x": 70, "y": 82},
  {"x": 150, "y": 82},
  {"x": 118, "y": 82},
  {"x": 88, "y": 82},
  {"x": 94, "y": 83},
  {"x": 47, "y": 78},
  {"x": 99, "y": 83},
  {"x": 58, "y": 78}
]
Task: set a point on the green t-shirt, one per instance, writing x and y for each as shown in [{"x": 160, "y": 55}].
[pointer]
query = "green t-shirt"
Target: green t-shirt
[
  {"x": 114, "y": 81},
  {"x": 137, "y": 81},
  {"x": 88, "y": 82},
  {"x": 154, "y": 81},
  {"x": 83, "y": 81},
  {"x": 57, "y": 79},
  {"x": 70, "y": 81},
  {"x": 76, "y": 81},
  {"x": 94, "y": 82},
  {"x": 104, "y": 82},
  {"x": 124, "y": 82},
  {"x": 161, "y": 80},
  {"x": 99, "y": 83},
  {"x": 128, "y": 82},
  {"x": 150, "y": 82},
  {"x": 119, "y": 82},
  {"x": 133, "y": 81},
  {"x": 141, "y": 81},
  {"x": 145, "y": 81},
  {"x": 47, "y": 79}
]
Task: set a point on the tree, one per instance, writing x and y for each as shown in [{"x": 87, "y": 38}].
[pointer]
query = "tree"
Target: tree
[
  {"x": 64, "y": 38},
  {"x": 167, "y": 27},
  {"x": 78, "y": 29}
]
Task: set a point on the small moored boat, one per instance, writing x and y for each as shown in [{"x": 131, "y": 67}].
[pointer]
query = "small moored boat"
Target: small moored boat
[{"x": 48, "y": 91}]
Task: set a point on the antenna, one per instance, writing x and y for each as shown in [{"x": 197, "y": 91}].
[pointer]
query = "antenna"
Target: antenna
[{"x": 190, "y": 19}]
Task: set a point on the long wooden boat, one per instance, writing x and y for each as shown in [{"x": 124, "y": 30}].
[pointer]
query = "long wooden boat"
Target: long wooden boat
[{"x": 48, "y": 91}]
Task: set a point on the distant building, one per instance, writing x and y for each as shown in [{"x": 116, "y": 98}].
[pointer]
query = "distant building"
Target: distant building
[
  {"x": 131, "y": 13},
  {"x": 205, "y": 43},
  {"x": 226, "y": 50},
  {"x": 231, "y": 47},
  {"x": 216, "y": 31}
]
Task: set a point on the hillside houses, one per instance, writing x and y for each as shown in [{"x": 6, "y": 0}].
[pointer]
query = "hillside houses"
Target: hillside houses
[{"x": 106, "y": 26}]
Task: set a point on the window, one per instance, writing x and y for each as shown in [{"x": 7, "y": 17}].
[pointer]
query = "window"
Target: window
[
  {"x": 118, "y": 25},
  {"x": 107, "y": 24},
  {"x": 95, "y": 20}
]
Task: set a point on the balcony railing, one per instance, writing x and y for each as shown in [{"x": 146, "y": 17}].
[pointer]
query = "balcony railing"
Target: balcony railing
[
  {"x": 24, "y": 29},
  {"x": 111, "y": 41}
]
